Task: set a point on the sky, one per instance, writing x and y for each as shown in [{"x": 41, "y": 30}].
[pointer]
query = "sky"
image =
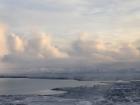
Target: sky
[{"x": 59, "y": 34}]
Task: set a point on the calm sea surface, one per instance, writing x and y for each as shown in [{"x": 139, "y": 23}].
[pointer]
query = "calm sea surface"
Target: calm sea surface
[{"x": 21, "y": 86}]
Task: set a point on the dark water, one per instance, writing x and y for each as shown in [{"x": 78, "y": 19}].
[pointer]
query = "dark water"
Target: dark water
[{"x": 12, "y": 86}]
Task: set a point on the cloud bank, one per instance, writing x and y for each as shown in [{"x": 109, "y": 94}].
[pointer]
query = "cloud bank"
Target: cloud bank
[
  {"x": 40, "y": 51},
  {"x": 3, "y": 44}
]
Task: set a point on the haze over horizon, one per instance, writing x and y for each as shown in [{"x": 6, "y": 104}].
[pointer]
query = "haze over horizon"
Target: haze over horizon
[{"x": 63, "y": 34}]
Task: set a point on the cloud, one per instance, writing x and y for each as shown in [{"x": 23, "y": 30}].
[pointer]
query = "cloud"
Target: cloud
[
  {"x": 99, "y": 50},
  {"x": 16, "y": 43},
  {"x": 39, "y": 47},
  {"x": 128, "y": 51},
  {"x": 40, "y": 51},
  {"x": 29, "y": 53},
  {"x": 94, "y": 49},
  {"x": 108, "y": 17},
  {"x": 137, "y": 44},
  {"x": 43, "y": 46},
  {"x": 3, "y": 43},
  {"x": 115, "y": 18}
]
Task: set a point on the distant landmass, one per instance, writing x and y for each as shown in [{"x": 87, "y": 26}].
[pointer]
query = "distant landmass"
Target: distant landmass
[{"x": 128, "y": 74}]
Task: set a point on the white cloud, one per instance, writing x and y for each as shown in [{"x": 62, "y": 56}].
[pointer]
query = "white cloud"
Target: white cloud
[
  {"x": 128, "y": 51},
  {"x": 43, "y": 47},
  {"x": 3, "y": 43},
  {"x": 40, "y": 50},
  {"x": 40, "y": 46},
  {"x": 62, "y": 17},
  {"x": 16, "y": 43},
  {"x": 99, "y": 50}
]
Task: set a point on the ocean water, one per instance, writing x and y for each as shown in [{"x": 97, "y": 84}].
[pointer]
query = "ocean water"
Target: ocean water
[
  {"x": 68, "y": 92},
  {"x": 23, "y": 86}
]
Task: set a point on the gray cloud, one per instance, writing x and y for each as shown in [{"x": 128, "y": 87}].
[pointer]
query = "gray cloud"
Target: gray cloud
[
  {"x": 74, "y": 16},
  {"x": 39, "y": 52},
  {"x": 63, "y": 18}
]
